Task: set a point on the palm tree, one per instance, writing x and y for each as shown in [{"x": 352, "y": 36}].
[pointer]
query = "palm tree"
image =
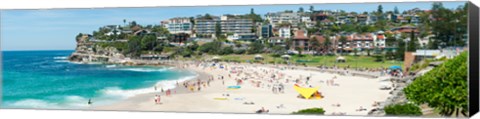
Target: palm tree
[{"x": 124, "y": 22}]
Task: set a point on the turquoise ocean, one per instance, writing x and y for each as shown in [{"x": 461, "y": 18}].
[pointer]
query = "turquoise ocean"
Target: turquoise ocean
[{"x": 47, "y": 80}]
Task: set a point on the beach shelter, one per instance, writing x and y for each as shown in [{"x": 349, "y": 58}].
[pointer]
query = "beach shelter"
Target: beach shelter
[
  {"x": 216, "y": 58},
  {"x": 395, "y": 67},
  {"x": 307, "y": 93},
  {"x": 258, "y": 57},
  {"x": 341, "y": 59},
  {"x": 286, "y": 57}
]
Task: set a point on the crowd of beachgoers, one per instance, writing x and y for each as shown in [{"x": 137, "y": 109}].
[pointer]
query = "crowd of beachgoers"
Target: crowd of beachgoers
[{"x": 259, "y": 88}]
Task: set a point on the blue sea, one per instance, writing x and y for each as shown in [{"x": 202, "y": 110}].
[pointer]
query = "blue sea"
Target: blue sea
[{"x": 47, "y": 80}]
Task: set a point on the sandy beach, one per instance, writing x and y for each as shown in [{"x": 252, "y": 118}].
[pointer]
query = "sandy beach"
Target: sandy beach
[{"x": 342, "y": 94}]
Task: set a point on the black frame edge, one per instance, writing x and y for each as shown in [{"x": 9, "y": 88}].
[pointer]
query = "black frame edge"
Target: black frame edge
[{"x": 473, "y": 37}]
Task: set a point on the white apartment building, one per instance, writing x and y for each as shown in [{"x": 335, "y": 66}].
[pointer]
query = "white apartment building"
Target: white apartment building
[
  {"x": 178, "y": 25},
  {"x": 284, "y": 32}
]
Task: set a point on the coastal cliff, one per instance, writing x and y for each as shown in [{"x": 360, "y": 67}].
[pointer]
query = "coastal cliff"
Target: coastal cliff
[{"x": 89, "y": 52}]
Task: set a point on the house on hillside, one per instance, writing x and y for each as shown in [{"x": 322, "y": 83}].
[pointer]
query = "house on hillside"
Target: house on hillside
[
  {"x": 284, "y": 32},
  {"x": 301, "y": 41}
]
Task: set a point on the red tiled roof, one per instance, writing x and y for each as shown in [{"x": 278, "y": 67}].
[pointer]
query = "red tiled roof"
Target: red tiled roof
[
  {"x": 300, "y": 35},
  {"x": 320, "y": 38},
  {"x": 380, "y": 36}
]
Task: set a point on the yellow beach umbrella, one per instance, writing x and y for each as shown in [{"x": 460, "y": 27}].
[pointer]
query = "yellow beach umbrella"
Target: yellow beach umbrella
[{"x": 305, "y": 92}]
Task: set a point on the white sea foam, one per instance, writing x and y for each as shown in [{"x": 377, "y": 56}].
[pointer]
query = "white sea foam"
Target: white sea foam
[
  {"x": 61, "y": 57},
  {"x": 165, "y": 84},
  {"x": 62, "y": 61},
  {"x": 146, "y": 69},
  {"x": 108, "y": 96},
  {"x": 33, "y": 103},
  {"x": 111, "y": 66},
  {"x": 68, "y": 102}
]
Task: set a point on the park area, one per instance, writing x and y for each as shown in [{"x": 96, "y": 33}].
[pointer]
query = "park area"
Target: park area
[{"x": 308, "y": 60}]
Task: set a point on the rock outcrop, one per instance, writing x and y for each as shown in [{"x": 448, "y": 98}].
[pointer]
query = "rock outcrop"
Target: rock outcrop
[{"x": 88, "y": 52}]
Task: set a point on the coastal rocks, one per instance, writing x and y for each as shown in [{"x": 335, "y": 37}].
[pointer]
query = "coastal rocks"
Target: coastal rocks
[{"x": 89, "y": 52}]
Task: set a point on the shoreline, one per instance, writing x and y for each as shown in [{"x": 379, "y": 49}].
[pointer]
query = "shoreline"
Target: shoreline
[{"x": 203, "y": 101}]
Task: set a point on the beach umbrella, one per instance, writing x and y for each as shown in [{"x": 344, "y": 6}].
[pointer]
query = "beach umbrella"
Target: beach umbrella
[
  {"x": 341, "y": 59},
  {"x": 396, "y": 67},
  {"x": 286, "y": 56},
  {"x": 258, "y": 57},
  {"x": 216, "y": 58}
]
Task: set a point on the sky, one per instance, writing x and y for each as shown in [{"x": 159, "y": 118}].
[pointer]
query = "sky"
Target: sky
[{"x": 55, "y": 29}]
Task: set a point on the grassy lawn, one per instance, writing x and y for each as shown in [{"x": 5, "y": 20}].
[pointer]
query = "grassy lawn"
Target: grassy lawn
[{"x": 310, "y": 60}]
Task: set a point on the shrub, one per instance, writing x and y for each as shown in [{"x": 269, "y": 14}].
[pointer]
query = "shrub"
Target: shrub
[
  {"x": 403, "y": 110},
  {"x": 318, "y": 111}
]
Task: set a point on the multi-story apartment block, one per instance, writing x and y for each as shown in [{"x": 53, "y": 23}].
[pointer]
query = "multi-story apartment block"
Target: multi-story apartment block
[
  {"x": 205, "y": 25},
  {"x": 178, "y": 25},
  {"x": 355, "y": 41},
  {"x": 363, "y": 41},
  {"x": 235, "y": 24},
  {"x": 283, "y": 17},
  {"x": 238, "y": 26}
]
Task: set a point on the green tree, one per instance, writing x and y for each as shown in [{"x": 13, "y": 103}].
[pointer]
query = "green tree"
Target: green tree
[
  {"x": 300, "y": 9},
  {"x": 317, "y": 111},
  {"x": 315, "y": 44},
  {"x": 300, "y": 50},
  {"x": 134, "y": 46},
  {"x": 211, "y": 47},
  {"x": 444, "y": 88},
  {"x": 380, "y": 9},
  {"x": 400, "y": 53},
  {"x": 160, "y": 30},
  {"x": 133, "y": 23},
  {"x": 218, "y": 29},
  {"x": 395, "y": 10},
  {"x": 311, "y": 8},
  {"x": 289, "y": 43},
  {"x": 278, "y": 50},
  {"x": 78, "y": 37},
  {"x": 148, "y": 42},
  {"x": 226, "y": 50},
  {"x": 403, "y": 110},
  {"x": 455, "y": 19},
  {"x": 255, "y": 47},
  {"x": 412, "y": 44}
]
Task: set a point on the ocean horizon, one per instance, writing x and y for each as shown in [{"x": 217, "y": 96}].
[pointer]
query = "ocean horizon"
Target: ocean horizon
[{"x": 46, "y": 79}]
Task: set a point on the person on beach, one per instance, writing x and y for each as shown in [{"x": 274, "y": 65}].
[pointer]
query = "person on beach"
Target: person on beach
[
  {"x": 168, "y": 92},
  {"x": 155, "y": 99},
  {"x": 89, "y": 102}
]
